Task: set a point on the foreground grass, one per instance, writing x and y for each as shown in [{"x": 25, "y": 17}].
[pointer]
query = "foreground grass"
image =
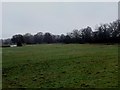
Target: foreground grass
[{"x": 57, "y": 65}]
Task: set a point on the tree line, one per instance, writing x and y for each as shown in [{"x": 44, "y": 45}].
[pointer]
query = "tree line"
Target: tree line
[{"x": 104, "y": 33}]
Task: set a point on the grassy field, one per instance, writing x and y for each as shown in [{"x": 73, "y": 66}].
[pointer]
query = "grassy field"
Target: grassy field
[{"x": 60, "y": 65}]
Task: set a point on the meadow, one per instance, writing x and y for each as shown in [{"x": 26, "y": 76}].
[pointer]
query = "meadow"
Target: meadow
[{"x": 60, "y": 66}]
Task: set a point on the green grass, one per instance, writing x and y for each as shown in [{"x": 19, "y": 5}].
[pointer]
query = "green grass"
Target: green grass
[{"x": 60, "y": 65}]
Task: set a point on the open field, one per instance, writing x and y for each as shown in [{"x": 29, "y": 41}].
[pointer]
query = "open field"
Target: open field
[{"x": 60, "y": 65}]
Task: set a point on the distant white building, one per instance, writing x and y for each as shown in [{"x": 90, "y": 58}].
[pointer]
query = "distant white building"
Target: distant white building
[{"x": 13, "y": 45}]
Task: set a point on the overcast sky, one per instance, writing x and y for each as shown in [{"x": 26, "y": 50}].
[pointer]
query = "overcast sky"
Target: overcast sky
[{"x": 54, "y": 17}]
